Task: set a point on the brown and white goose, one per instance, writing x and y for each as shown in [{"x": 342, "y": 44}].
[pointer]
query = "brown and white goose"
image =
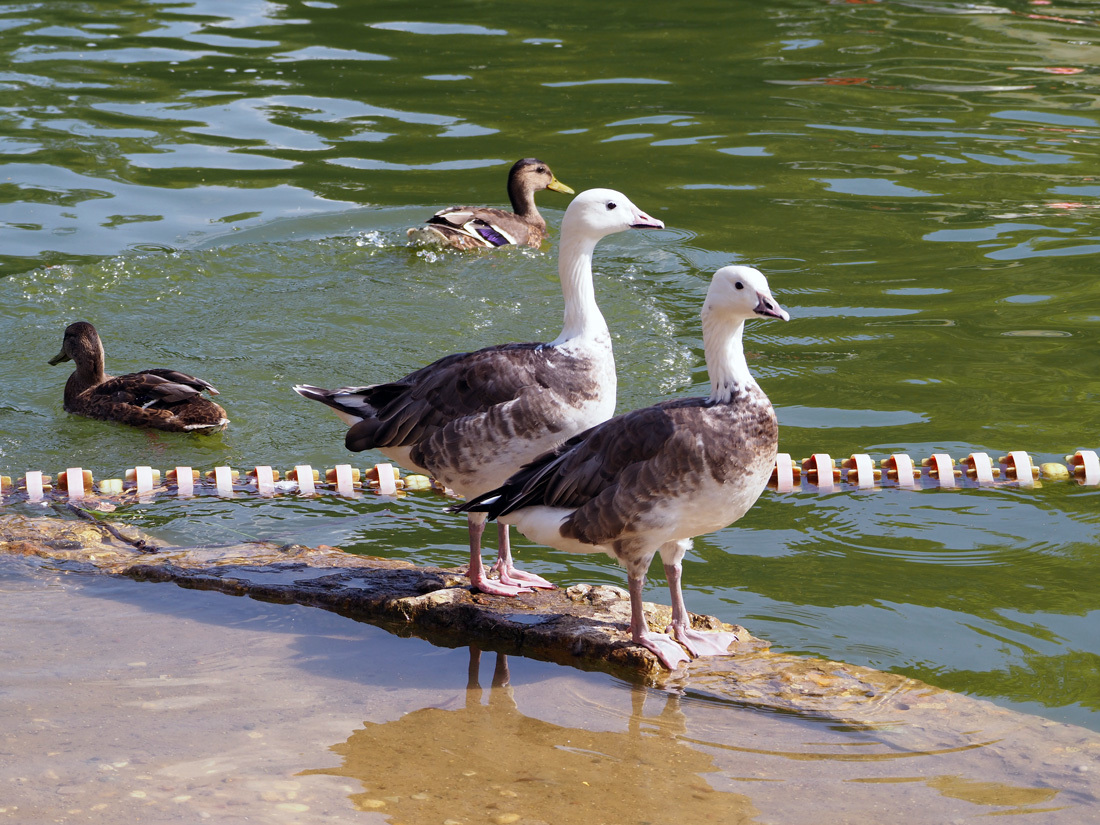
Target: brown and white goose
[
  {"x": 472, "y": 420},
  {"x": 162, "y": 399},
  {"x": 478, "y": 227},
  {"x": 648, "y": 481}
]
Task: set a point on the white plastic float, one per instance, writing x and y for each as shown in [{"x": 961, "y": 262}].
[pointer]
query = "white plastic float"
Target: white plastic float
[
  {"x": 941, "y": 467},
  {"x": 387, "y": 479},
  {"x": 144, "y": 480},
  {"x": 306, "y": 478},
  {"x": 35, "y": 485},
  {"x": 784, "y": 475},
  {"x": 75, "y": 482},
  {"x": 1085, "y": 466},
  {"x": 184, "y": 478},
  {"x": 223, "y": 481},
  {"x": 265, "y": 481},
  {"x": 1018, "y": 466},
  {"x": 346, "y": 478},
  {"x": 820, "y": 469},
  {"x": 861, "y": 471},
  {"x": 979, "y": 466},
  {"x": 899, "y": 467}
]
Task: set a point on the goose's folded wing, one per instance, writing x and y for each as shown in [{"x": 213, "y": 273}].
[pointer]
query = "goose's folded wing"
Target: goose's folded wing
[
  {"x": 453, "y": 389},
  {"x": 586, "y": 466}
]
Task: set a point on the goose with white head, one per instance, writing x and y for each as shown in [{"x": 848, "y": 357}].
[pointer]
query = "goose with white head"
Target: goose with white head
[
  {"x": 473, "y": 419},
  {"x": 649, "y": 481}
]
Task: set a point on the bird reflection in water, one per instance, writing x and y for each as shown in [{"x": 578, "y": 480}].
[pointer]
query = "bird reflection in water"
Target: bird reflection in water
[{"x": 490, "y": 763}]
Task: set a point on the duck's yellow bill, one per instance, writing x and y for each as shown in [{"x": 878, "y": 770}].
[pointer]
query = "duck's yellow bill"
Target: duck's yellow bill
[{"x": 558, "y": 186}]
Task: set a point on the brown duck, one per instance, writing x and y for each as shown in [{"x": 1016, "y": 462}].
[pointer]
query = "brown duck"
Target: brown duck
[
  {"x": 160, "y": 398},
  {"x": 478, "y": 227}
]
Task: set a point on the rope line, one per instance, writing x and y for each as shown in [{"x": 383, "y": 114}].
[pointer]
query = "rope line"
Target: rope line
[
  {"x": 938, "y": 471},
  {"x": 145, "y": 483},
  {"x": 818, "y": 473}
]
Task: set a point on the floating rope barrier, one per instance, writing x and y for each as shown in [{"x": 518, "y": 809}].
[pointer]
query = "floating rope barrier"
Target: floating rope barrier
[
  {"x": 144, "y": 483},
  {"x": 938, "y": 471},
  {"x": 820, "y": 473}
]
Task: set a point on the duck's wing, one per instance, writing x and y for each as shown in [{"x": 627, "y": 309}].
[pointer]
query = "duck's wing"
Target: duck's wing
[
  {"x": 484, "y": 225},
  {"x": 181, "y": 378},
  {"x": 152, "y": 388}
]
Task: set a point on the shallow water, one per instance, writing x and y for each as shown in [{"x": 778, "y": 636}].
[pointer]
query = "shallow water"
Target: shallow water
[
  {"x": 229, "y": 196},
  {"x": 151, "y": 703}
]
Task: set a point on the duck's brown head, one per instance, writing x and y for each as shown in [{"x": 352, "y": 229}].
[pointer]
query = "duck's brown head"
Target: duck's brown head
[
  {"x": 81, "y": 345},
  {"x": 530, "y": 175}
]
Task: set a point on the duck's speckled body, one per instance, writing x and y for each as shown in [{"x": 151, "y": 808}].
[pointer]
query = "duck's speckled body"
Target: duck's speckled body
[
  {"x": 480, "y": 227},
  {"x": 162, "y": 399}
]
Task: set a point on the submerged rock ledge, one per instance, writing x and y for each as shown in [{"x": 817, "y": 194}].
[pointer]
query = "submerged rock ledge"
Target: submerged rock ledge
[{"x": 583, "y": 625}]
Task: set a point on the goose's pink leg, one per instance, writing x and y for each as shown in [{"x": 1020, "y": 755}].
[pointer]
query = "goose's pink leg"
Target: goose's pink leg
[
  {"x": 698, "y": 643},
  {"x": 508, "y": 572},
  {"x": 476, "y": 572},
  {"x": 663, "y": 646}
]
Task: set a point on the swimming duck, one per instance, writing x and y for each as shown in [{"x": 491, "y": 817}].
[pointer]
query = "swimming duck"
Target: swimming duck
[
  {"x": 476, "y": 227},
  {"x": 472, "y": 419},
  {"x": 159, "y": 398},
  {"x": 649, "y": 481}
]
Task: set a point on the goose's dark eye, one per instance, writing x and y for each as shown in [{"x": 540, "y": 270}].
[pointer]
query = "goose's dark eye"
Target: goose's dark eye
[
  {"x": 611, "y": 205},
  {"x": 739, "y": 285}
]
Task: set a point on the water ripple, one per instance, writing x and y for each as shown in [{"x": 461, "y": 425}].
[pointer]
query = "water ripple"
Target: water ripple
[
  {"x": 227, "y": 185},
  {"x": 438, "y": 28}
]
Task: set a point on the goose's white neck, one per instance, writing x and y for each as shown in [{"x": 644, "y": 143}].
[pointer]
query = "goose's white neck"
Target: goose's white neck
[
  {"x": 723, "y": 344},
  {"x": 583, "y": 318}
]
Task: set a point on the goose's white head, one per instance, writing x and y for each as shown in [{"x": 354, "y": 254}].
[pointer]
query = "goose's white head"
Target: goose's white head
[
  {"x": 740, "y": 293},
  {"x": 597, "y": 213}
]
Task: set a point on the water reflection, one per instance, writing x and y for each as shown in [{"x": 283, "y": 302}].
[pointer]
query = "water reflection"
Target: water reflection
[
  {"x": 488, "y": 762},
  {"x": 221, "y": 708},
  {"x": 694, "y": 760}
]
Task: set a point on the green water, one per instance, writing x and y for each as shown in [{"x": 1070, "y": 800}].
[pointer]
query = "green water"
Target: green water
[{"x": 228, "y": 195}]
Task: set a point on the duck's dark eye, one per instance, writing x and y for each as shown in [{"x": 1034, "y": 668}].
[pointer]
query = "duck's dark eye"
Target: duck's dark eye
[
  {"x": 541, "y": 170},
  {"x": 739, "y": 285},
  {"x": 611, "y": 205}
]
